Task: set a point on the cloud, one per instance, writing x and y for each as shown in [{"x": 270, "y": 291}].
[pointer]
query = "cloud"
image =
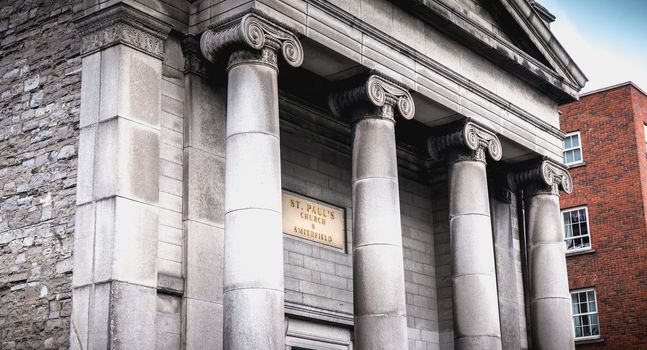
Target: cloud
[{"x": 603, "y": 62}]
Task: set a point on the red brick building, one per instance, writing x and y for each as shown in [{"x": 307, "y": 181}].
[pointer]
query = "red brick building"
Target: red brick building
[{"x": 605, "y": 217}]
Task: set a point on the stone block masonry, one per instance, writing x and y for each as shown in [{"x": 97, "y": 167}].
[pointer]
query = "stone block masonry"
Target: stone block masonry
[
  {"x": 39, "y": 114},
  {"x": 321, "y": 278}
]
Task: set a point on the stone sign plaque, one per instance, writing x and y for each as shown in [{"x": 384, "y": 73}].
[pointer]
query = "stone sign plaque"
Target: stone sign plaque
[{"x": 313, "y": 220}]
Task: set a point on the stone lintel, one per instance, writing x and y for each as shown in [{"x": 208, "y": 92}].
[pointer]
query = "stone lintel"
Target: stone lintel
[
  {"x": 122, "y": 24},
  {"x": 466, "y": 136},
  {"x": 372, "y": 97},
  {"x": 542, "y": 176},
  {"x": 251, "y": 32}
]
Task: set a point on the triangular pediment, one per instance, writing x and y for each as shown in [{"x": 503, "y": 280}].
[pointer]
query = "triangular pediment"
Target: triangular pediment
[
  {"x": 513, "y": 34},
  {"x": 508, "y": 27}
]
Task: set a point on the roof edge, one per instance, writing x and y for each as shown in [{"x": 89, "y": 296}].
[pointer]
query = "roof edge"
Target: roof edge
[
  {"x": 542, "y": 32},
  {"x": 614, "y": 86}
]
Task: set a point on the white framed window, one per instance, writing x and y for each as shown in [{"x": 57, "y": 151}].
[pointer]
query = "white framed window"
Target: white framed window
[
  {"x": 576, "y": 229},
  {"x": 573, "y": 149},
  {"x": 585, "y": 314},
  {"x": 645, "y": 132}
]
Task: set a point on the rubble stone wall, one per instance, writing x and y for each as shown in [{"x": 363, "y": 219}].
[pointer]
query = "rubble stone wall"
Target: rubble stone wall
[{"x": 40, "y": 83}]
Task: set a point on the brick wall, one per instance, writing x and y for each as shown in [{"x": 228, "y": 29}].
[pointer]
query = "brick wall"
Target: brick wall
[
  {"x": 612, "y": 185},
  {"x": 39, "y": 113}
]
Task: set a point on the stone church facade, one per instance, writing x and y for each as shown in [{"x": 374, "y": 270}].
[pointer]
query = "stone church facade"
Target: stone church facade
[{"x": 365, "y": 174}]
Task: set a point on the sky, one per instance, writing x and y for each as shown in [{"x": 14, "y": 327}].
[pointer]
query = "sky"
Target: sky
[{"x": 606, "y": 38}]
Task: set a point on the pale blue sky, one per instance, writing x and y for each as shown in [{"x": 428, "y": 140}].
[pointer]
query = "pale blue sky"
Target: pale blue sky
[{"x": 606, "y": 38}]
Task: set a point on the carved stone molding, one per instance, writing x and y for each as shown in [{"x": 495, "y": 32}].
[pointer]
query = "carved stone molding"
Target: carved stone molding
[
  {"x": 375, "y": 97},
  {"x": 471, "y": 139},
  {"x": 122, "y": 24},
  {"x": 544, "y": 177},
  {"x": 251, "y": 37},
  {"x": 194, "y": 62}
]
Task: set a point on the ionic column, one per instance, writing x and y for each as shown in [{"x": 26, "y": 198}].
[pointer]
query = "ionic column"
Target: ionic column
[
  {"x": 474, "y": 289},
  {"x": 253, "y": 247},
  {"x": 550, "y": 301},
  {"x": 378, "y": 271}
]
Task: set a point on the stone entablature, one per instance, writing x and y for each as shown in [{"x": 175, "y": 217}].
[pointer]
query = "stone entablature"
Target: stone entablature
[{"x": 122, "y": 24}]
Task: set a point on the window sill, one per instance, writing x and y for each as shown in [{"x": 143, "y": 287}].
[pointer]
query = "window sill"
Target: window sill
[
  {"x": 576, "y": 165},
  {"x": 589, "y": 341},
  {"x": 579, "y": 252}
]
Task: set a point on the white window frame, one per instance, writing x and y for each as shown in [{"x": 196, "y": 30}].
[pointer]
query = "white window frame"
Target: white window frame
[
  {"x": 588, "y": 229},
  {"x": 579, "y": 138},
  {"x": 597, "y": 313},
  {"x": 645, "y": 135}
]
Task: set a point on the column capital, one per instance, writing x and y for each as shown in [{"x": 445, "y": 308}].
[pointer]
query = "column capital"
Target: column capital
[
  {"x": 543, "y": 176},
  {"x": 122, "y": 24},
  {"x": 373, "y": 97},
  {"x": 470, "y": 137},
  {"x": 251, "y": 37}
]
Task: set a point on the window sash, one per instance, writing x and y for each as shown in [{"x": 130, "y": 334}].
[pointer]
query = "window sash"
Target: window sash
[
  {"x": 572, "y": 149},
  {"x": 585, "y": 324},
  {"x": 577, "y": 234}
]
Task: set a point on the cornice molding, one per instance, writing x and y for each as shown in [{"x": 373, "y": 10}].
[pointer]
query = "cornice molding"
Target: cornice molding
[
  {"x": 435, "y": 67},
  {"x": 485, "y": 41},
  {"x": 256, "y": 36},
  {"x": 373, "y": 97},
  {"x": 471, "y": 137},
  {"x": 543, "y": 35},
  {"x": 542, "y": 176},
  {"x": 300, "y": 310},
  {"x": 122, "y": 24}
]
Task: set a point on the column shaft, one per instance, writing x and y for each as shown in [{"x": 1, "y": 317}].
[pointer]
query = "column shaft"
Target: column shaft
[
  {"x": 378, "y": 268},
  {"x": 253, "y": 248},
  {"x": 378, "y": 271},
  {"x": 475, "y": 301},
  {"x": 253, "y": 257},
  {"x": 550, "y": 301}
]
